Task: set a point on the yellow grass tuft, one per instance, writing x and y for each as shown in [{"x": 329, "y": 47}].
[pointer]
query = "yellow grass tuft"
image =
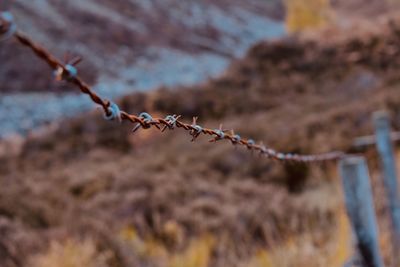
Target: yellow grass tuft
[
  {"x": 198, "y": 254},
  {"x": 332, "y": 248},
  {"x": 71, "y": 254}
]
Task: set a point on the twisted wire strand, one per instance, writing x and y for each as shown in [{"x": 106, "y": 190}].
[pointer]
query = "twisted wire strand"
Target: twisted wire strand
[{"x": 146, "y": 121}]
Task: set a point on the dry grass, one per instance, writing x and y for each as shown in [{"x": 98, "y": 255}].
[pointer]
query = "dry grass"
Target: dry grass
[
  {"x": 71, "y": 253},
  {"x": 312, "y": 249}
]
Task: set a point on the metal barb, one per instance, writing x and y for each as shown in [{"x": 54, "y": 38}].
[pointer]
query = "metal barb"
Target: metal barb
[
  {"x": 171, "y": 122},
  {"x": 219, "y": 134},
  {"x": 7, "y": 25},
  {"x": 236, "y": 139},
  {"x": 263, "y": 149},
  {"x": 114, "y": 113},
  {"x": 145, "y": 120},
  {"x": 196, "y": 129},
  {"x": 67, "y": 72}
]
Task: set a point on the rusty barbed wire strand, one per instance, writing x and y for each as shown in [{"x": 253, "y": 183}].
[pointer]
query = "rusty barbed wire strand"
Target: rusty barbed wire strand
[{"x": 68, "y": 72}]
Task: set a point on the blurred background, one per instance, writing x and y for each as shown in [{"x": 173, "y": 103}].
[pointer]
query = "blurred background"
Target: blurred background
[{"x": 303, "y": 76}]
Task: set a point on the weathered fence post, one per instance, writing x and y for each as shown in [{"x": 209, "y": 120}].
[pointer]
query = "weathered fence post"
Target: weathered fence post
[
  {"x": 360, "y": 209},
  {"x": 385, "y": 149}
]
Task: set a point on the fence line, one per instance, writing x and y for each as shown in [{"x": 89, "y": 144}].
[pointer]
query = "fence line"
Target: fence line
[
  {"x": 369, "y": 140},
  {"x": 68, "y": 72}
]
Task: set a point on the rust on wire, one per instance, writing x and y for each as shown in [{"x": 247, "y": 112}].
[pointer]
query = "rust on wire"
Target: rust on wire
[{"x": 67, "y": 72}]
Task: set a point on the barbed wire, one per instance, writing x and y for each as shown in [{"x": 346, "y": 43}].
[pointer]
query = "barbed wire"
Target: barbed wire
[{"x": 68, "y": 72}]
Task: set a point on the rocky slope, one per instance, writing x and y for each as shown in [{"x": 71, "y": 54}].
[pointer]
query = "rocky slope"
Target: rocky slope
[
  {"x": 133, "y": 45},
  {"x": 127, "y": 46}
]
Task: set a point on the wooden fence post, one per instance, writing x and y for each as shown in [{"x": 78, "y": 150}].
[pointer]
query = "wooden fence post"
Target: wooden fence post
[
  {"x": 385, "y": 149},
  {"x": 360, "y": 209}
]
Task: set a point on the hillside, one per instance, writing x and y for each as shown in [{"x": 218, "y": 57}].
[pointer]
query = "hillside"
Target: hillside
[
  {"x": 126, "y": 46},
  {"x": 118, "y": 39},
  {"x": 144, "y": 197}
]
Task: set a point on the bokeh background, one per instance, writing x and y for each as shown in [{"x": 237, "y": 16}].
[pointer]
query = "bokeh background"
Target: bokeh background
[{"x": 302, "y": 76}]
